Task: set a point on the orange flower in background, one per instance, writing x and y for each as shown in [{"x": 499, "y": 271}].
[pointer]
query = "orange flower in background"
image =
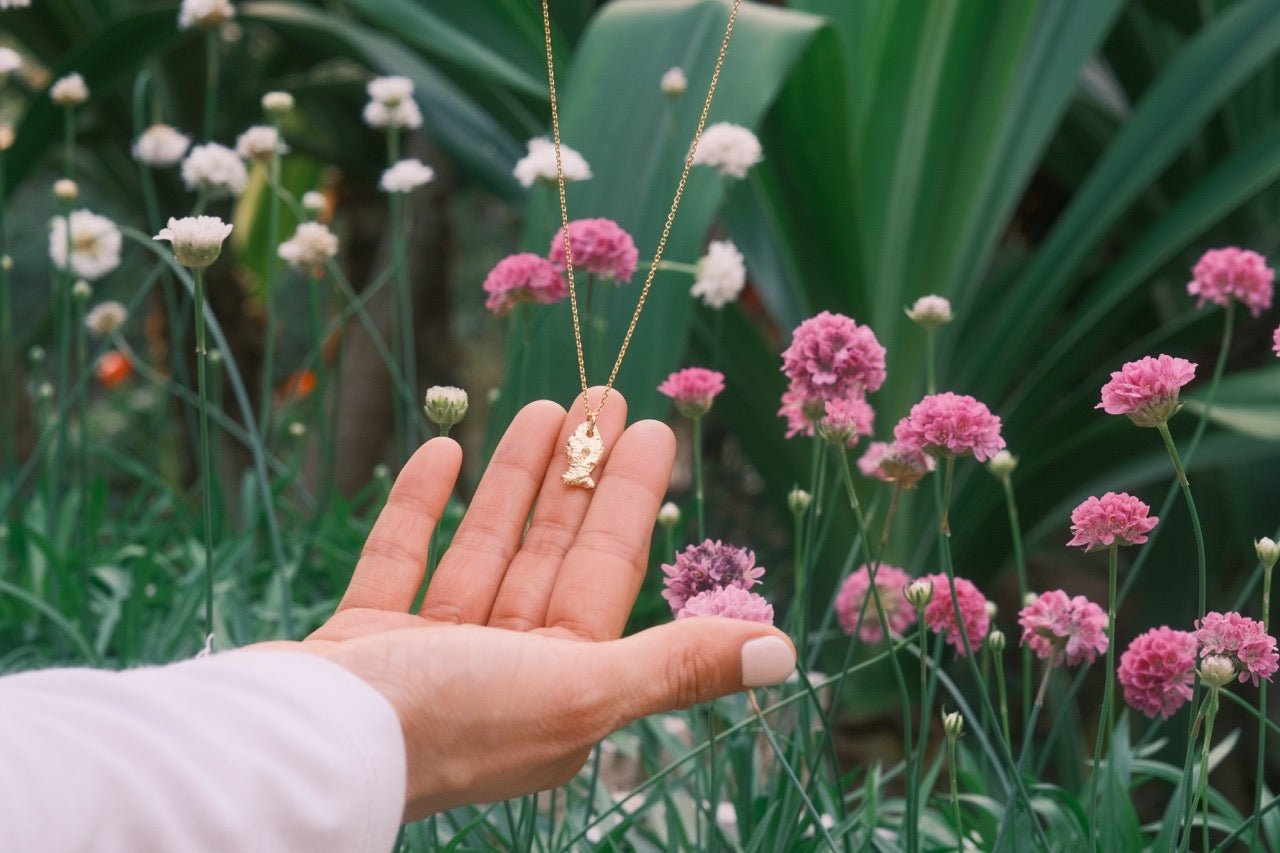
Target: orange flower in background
[
  {"x": 113, "y": 368},
  {"x": 298, "y": 385}
]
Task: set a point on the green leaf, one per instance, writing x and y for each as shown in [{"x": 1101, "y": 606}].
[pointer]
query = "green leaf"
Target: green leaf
[
  {"x": 1118, "y": 825},
  {"x": 1247, "y": 403}
]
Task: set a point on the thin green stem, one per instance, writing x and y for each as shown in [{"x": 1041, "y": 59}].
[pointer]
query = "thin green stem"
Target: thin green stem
[
  {"x": 944, "y": 526},
  {"x": 781, "y": 756},
  {"x": 699, "y": 491},
  {"x": 69, "y": 144},
  {"x": 1106, "y": 719},
  {"x": 8, "y": 356},
  {"x": 1020, "y": 565},
  {"x": 1259, "y": 776},
  {"x": 210, "y": 82},
  {"x": 676, "y": 266},
  {"x": 915, "y": 758},
  {"x": 1004, "y": 699},
  {"x": 269, "y": 264},
  {"x": 955, "y": 792},
  {"x": 930, "y": 362},
  {"x": 1209, "y": 712},
  {"x": 206, "y": 466},
  {"x": 82, "y": 470}
]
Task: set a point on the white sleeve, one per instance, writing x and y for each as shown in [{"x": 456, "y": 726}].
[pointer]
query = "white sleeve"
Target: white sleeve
[{"x": 256, "y": 751}]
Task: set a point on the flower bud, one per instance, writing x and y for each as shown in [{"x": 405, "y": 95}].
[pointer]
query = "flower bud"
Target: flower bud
[
  {"x": 69, "y": 91},
  {"x": 1002, "y": 464},
  {"x": 952, "y": 724},
  {"x": 1217, "y": 671},
  {"x": 674, "y": 83},
  {"x": 1029, "y": 599},
  {"x": 81, "y": 291},
  {"x": 996, "y": 641},
  {"x": 669, "y": 515},
  {"x": 445, "y": 405},
  {"x": 44, "y": 391},
  {"x": 6, "y": 262},
  {"x": 277, "y": 104},
  {"x": 313, "y": 202},
  {"x": 919, "y": 593},
  {"x": 930, "y": 312},
  {"x": 1268, "y": 552},
  {"x": 65, "y": 189},
  {"x": 36, "y": 357},
  {"x": 992, "y": 609},
  {"x": 214, "y": 356},
  {"x": 297, "y": 429},
  {"x": 798, "y": 500}
]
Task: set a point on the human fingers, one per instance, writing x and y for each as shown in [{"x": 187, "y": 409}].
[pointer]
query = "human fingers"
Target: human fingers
[
  {"x": 471, "y": 571},
  {"x": 522, "y": 600},
  {"x": 601, "y": 575},
  {"x": 394, "y": 556}
]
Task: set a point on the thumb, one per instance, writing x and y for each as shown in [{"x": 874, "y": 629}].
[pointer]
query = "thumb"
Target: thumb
[{"x": 695, "y": 660}]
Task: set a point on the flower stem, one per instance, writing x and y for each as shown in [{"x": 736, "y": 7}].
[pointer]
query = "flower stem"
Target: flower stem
[
  {"x": 699, "y": 492},
  {"x": 944, "y": 526},
  {"x": 1020, "y": 564},
  {"x": 82, "y": 470},
  {"x": 1004, "y": 700},
  {"x": 269, "y": 297},
  {"x": 206, "y": 468},
  {"x": 1106, "y": 719},
  {"x": 8, "y": 375},
  {"x": 781, "y": 756},
  {"x": 930, "y": 362},
  {"x": 210, "y": 82},
  {"x": 955, "y": 792},
  {"x": 1259, "y": 780},
  {"x": 1210, "y": 711},
  {"x": 676, "y": 266}
]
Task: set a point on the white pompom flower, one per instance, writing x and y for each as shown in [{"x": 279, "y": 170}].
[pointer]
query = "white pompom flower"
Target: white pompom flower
[
  {"x": 214, "y": 169},
  {"x": 160, "y": 146},
  {"x": 310, "y": 246},
  {"x": 10, "y": 61},
  {"x": 406, "y": 176},
  {"x": 204, "y": 14},
  {"x": 404, "y": 115},
  {"x": 260, "y": 143},
  {"x": 95, "y": 244},
  {"x": 721, "y": 274},
  {"x": 730, "y": 149},
  {"x": 540, "y": 163},
  {"x": 105, "y": 317},
  {"x": 69, "y": 91},
  {"x": 197, "y": 240},
  {"x": 674, "y": 82},
  {"x": 390, "y": 90},
  {"x": 14, "y": 4}
]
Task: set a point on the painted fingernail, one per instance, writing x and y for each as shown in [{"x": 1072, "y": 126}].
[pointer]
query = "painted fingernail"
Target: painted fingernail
[{"x": 765, "y": 661}]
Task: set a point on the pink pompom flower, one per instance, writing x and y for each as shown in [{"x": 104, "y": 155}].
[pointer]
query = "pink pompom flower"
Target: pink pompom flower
[
  {"x": 1233, "y": 273},
  {"x": 731, "y": 602},
  {"x": 525, "y": 277},
  {"x": 1146, "y": 390},
  {"x": 693, "y": 389},
  {"x": 950, "y": 424},
  {"x": 1275, "y": 341},
  {"x": 1240, "y": 639},
  {"x": 869, "y": 461},
  {"x": 1157, "y": 671},
  {"x": 845, "y": 421},
  {"x": 940, "y": 612},
  {"x": 1057, "y": 627},
  {"x": 599, "y": 246},
  {"x": 1116, "y": 518},
  {"x": 831, "y": 357},
  {"x": 890, "y": 581},
  {"x": 710, "y": 565},
  {"x": 801, "y": 414},
  {"x": 890, "y": 462}
]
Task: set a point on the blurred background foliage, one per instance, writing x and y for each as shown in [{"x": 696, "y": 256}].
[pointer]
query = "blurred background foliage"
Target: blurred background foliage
[{"x": 1052, "y": 167}]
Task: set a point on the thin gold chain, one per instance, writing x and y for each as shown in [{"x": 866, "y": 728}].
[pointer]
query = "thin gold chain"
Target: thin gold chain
[{"x": 666, "y": 228}]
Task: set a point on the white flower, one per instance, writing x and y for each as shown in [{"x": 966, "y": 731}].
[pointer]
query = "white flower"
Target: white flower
[
  {"x": 390, "y": 91},
  {"x": 277, "y": 104},
  {"x": 197, "y": 240},
  {"x": 313, "y": 202},
  {"x": 10, "y": 60},
  {"x": 69, "y": 91},
  {"x": 540, "y": 163},
  {"x": 445, "y": 405},
  {"x": 730, "y": 149},
  {"x": 721, "y": 275},
  {"x": 204, "y": 13},
  {"x": 312, "y": 244},
  {"x": 95, "y": 244},
  {"x": 674, "y": 82},
  {"x": 260, "y": 143},
  {"x": 65, "y": 189},
  {"x": 214, "y": 169},
  {"x": 404, "y": 114},
  {"x": 669, "y": 515},
  {"x": 930, "y": 312},
  {"x": 406, "y": 176},
  {"x": 14, "y": 4},
  {"x": 105, "y": 317},
  {"x": 160, "y": 146}
]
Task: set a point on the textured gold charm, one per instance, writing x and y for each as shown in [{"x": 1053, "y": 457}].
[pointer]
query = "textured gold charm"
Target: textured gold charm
[{"x": 584, "y": 452}]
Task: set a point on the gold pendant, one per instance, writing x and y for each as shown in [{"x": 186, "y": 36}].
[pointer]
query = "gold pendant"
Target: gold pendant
[{"x": 584, "y": 451}]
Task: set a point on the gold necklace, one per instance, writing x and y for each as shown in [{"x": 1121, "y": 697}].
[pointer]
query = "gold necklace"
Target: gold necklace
[{"x": 585, "y": 446}]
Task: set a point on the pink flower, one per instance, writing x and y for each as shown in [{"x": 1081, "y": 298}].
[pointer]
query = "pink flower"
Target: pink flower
[
  {"x": 1275, "y": 341},
  {"x": 693, "y": 389},
  {"x": 1113, "y": 519},
  {"x": 845, "y": 421},
  {"x": 940, "y": 614},
  {"x": 1055, "y": 624},
  {"x": 892, "y": 463},
  {"x": 1147, "y": 390},
  {"x": 797, "y": 410},
  {"x": 849, "y": 603},
  {"x": 523, "y": 278},
  {"x": 869, "y": 461},
  {"x": 1232, "y": 273},
  {"x": 1157, "y": 671},
  {"x": 954, "y": 424},
  {"x": 711, "y": 565},
  {"x": 1241, "y": 639},
  {"x": 599, "y": 246},
  {"x": 731, "y": 602},
  {"x": 831, "y": 357}
]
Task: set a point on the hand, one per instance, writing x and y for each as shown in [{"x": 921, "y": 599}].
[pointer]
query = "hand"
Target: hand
[{"x": 513, "y": 667}]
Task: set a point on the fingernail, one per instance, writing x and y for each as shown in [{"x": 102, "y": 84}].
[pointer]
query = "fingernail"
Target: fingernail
[{"x": 765, "y": 661}]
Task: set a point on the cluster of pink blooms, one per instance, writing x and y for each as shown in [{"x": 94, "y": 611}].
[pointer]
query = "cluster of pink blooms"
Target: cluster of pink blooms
[
  {"x": 705, "y": 573},
  {"x": 831, "y": 359},
  {"x": 844, "y": 421},
  {"x": 1059, "y": 627},
  {"x": 856, "y": 614},
  {"x": 940, "y": 612},
  {"x": 1244, "y": 641},
  {"x": 1233, "y": 273},
  {"x": 599, "y": 246},
  {"x": 1111, "y": 520},
  {"x": 893, "y": 463},
  {"x": 693, "y": 389},
  {"x": 950, "y": 424},
  {"x": 1146, "y": 390}
]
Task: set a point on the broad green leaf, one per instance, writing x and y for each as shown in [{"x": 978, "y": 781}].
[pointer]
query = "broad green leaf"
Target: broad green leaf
[{"x": 1247, "y": 403}]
